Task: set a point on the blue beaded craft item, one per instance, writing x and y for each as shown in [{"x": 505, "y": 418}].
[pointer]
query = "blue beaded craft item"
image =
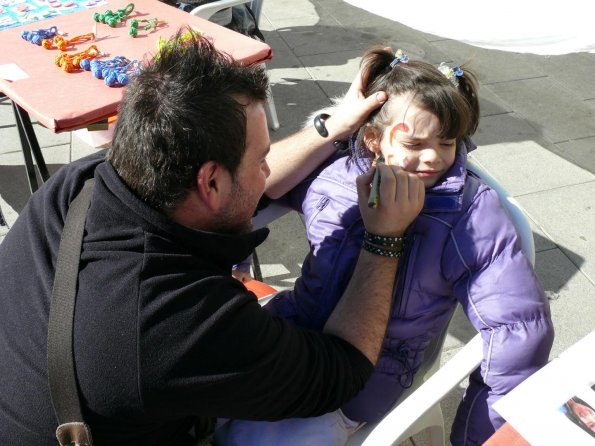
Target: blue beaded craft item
[
  {"x": 38, "y": 35},
  {"x": 115, "y": 72}
]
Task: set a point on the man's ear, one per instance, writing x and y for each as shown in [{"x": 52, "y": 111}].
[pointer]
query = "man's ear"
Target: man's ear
[
  {"x": 372, "y": 138},
  {"x": 213, "y": 183}
]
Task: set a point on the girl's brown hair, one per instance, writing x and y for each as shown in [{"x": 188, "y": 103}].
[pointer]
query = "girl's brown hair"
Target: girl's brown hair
[{"x": 457, "y": 108}]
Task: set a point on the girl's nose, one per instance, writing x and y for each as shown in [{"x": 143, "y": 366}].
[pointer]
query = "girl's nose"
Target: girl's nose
[{"x": 429, "y": 155}]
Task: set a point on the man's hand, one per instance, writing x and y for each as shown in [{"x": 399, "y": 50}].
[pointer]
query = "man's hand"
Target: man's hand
[
  {"x": 401, "y": 200},
  {"x": 293, "y": 158},
  {"x": 353, "y": 110}
]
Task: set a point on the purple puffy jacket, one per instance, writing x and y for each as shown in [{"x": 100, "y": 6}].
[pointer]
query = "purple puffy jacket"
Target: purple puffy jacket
[{"x": 463, "y": 249}]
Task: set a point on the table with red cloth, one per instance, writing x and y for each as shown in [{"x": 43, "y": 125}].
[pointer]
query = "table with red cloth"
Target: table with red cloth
[{"x": 64, "y": 101}]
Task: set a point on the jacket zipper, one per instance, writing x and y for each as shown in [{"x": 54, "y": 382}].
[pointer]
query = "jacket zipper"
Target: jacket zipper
[
  {"x": 404, "y": 278},
  {"x": 324, "y": 200}
]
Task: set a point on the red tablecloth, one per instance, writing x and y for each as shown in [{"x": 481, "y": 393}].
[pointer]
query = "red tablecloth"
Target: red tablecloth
[{"x": 506, "y": 436}]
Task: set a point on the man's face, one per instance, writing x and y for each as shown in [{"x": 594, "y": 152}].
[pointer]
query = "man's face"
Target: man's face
[{"x": 248, "y": 185}]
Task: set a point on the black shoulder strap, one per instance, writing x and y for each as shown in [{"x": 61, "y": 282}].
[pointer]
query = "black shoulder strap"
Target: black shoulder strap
[{"x": 60, "y": 355}]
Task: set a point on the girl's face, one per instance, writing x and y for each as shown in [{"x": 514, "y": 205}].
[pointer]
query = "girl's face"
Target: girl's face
[{"x": 412, "y": 142}]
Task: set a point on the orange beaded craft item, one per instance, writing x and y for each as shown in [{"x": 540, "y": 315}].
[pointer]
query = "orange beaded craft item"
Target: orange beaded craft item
[
  {"x": 61, "y": 43},
  {"x": 70, "y": 62}
]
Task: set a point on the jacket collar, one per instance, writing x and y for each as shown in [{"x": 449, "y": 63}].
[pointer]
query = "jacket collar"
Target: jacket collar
[
  {"x": 224, "y": 249},
  {"x": 447, "y": 194}
]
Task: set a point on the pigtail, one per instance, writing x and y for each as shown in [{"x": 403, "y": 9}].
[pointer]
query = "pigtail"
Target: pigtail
[
  {"x": 469, "y": 87},
  {"x": 375, "y": 63}
]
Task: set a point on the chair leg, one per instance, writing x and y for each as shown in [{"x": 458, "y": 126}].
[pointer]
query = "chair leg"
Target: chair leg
[
  {"x": 436, "y": 435},
  {"x": 271, "y": 111},
  {"x": 256, "y": 266}
]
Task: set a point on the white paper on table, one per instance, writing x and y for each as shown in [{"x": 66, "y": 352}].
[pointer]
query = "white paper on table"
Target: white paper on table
[
  {"x": 12, "y": 72},
  {"x": 533, "y": 407}
]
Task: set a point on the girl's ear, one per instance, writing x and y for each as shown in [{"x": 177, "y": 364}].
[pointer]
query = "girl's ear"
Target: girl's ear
[{"x": 372, "y": 137}]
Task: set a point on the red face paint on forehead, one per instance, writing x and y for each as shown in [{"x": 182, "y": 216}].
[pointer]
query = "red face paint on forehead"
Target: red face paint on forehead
[{"x": 402, "y": 127}]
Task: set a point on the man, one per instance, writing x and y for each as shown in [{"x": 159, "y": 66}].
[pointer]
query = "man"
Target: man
[{"x": 165, "y": 340}]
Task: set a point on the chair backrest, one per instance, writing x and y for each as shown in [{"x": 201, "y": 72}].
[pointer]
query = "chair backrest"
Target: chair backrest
[
  {"x": 516, "y": 213},
  {"x": 207, "y": 10}
]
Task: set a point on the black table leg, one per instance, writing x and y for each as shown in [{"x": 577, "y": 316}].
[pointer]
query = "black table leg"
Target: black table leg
[{"x": 30, "y": 145}]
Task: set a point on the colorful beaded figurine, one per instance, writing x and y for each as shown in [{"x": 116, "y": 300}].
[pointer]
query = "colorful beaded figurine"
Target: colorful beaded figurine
[
  {"x": 39, "y": 35},
  {"x": 61, "y": 43},
  {"x": 111, "y": 18}
]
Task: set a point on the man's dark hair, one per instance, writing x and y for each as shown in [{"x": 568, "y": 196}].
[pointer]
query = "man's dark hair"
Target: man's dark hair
[{"x": 186, "y": 107}]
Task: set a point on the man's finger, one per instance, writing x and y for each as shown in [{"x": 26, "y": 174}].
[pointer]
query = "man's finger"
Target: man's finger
[
  {"x": 388, "y": 184},
  {"x": 402, "y": 178},
  {"x": 421, "y": 192}
]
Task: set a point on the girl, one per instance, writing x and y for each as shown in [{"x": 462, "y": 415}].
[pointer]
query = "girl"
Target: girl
[{"x": 462, "y": 248}]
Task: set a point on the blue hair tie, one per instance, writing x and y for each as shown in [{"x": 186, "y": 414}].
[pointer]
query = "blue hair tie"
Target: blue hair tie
[
  {"x": 399, "y": 57},
  {"x": 452, "y": 74}
]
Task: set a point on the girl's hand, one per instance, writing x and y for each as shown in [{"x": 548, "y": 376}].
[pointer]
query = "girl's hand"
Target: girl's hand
[{"x": 401, "y": 200}]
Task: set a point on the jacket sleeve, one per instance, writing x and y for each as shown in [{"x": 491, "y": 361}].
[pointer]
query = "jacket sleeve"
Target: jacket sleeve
[
  {"x": 225, "y": 356},
  {"x": 502, "y": 297},
  {"x": 334, "y": 230}
]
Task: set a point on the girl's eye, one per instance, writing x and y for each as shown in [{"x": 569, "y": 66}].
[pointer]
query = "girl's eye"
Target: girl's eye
[
  {"x": 410, "y": 145},
  {"x": 447, "y": 143}
]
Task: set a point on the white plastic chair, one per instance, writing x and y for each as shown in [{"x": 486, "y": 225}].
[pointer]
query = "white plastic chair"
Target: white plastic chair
[
  {"x": 207, "y": 10},
  {"x": 419, "y": 407}
]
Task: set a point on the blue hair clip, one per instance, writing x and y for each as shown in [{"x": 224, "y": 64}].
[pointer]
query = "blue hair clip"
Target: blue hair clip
[
  {"x": 452, "y": 74},
  {"x": 399, "y": 57}
]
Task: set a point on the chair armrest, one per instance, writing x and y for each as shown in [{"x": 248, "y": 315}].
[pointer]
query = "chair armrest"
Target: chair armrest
[
  {"x": 207, "y": 10},
  {"x": 269, "y": 214},
  {"x": 396, "y": 423}
]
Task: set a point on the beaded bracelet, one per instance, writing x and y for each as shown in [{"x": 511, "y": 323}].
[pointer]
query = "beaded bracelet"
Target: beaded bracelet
[
  {"x": 386, "y": 247},
  {"x": 375, "y": 249},
  {"x": 385, "y": 241}
]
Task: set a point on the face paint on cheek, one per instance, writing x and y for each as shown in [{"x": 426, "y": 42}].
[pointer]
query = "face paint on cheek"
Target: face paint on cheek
[
  {"x": 400, "y": 159},
  {"x": 397, "y": 160}
]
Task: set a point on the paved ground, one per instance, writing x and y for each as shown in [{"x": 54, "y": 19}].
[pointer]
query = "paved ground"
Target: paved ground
[{"x": 537, "y": 137}]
